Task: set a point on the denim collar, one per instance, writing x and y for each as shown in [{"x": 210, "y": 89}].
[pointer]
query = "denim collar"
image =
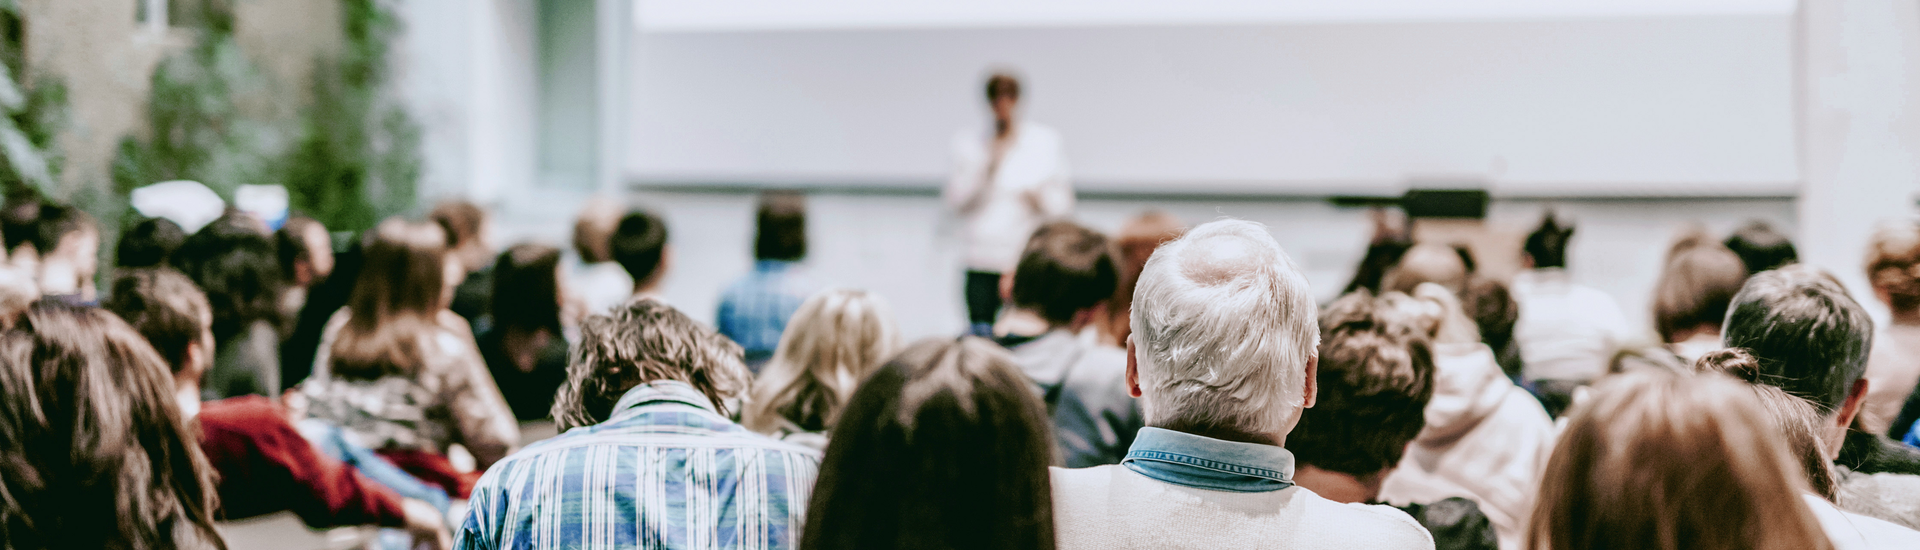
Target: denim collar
[
  {"x": 773, "y": 266},
  {"x": 1207, "y": 463},
  {"x": 661, "y": 391}
]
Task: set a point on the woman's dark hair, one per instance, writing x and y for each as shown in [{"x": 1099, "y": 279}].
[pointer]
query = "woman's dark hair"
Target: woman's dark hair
[
  {"x": 1547, "y": 245},
  {"x": 392, "y": 309},
  {"x": 237, "y": 266},
  {"x": 96, "y": 454},
  {"x": 151, "y": 242},
  {"x": 1761, "y": 248},
  {"x": 781, "y": 227},
  {"x": 946, "y": 446},
  {"x": 639, "y": 244},
  {"x": 526, "y": 289}
]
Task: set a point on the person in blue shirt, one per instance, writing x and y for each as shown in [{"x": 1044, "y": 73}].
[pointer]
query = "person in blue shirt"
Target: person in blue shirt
[{"x": 755, "y": 309}]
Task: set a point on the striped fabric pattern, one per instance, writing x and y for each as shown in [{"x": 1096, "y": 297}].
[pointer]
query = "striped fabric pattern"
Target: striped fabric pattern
[{"x": 665, "y": 471}]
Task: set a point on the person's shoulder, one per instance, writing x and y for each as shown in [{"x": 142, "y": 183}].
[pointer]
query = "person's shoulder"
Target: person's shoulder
[
  {"x": 1074, "y": 481},
  {"x": 243, "y": 412},
  {"x": 1369, "y": 525}
]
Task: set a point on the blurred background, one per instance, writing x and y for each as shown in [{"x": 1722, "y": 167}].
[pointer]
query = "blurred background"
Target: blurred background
[{"x": 1633, "y": 119}]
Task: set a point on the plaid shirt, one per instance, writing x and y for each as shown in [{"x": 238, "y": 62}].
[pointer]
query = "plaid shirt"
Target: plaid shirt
[
  {"x": 665, "y": 471},
  {"x": 755, "y": 309}
]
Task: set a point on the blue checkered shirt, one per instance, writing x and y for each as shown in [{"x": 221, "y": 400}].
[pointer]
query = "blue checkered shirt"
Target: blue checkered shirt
[
  {"x": 665, "y": 471},
  {"x": 755, "y": 309}
]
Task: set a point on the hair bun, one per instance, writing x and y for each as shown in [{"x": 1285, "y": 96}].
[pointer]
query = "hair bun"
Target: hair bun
[{"x": 1734, "y": 362}]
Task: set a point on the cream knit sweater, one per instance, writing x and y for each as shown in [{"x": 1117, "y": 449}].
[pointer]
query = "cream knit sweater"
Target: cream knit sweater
[{"x": 1111, "y": 507}]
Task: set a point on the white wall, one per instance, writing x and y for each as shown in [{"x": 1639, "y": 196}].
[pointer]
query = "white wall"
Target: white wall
[
  {"x": 466, "y": 70},
  {"x": 1606, "y": 106}
]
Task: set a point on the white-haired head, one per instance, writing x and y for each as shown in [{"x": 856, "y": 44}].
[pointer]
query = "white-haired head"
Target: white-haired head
[{"x": 1224, "y": 329}]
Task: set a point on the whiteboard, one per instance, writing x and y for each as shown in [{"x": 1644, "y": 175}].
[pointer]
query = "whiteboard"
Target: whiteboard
[{"x": 1652, "y": 104}]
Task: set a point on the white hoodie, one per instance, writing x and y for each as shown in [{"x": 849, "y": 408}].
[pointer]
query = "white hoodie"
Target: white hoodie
[{"x": 1486, "y": 440}]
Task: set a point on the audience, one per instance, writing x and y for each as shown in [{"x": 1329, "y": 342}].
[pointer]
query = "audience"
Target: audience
[
  {"x": 306, "y": 259},
  {"x": 1690, "y": 299},
  {"x": 149, "y": 242},
  {"x": 755, "y": 308},
  {"x": 1376, "y": 376},
  {"x": 1893, "y": 366},
  {"x": 1761, "y": 248},
  {"x": 1065, "y": 276},
  {"x": 235, "y": 263},
  {"x": 1662, "y": 460},
  {"x": 302, "y": 344},
  {"x": 66, "y": 242},
  {"x": 646, "y": 457},
  {"x": 263, "y": 463},
  {"x": 597, "y": 281},
  {"x": 398, "y": 380},
  {"x": 1223, "y": 359},
  {"x": 1485, "y": 439},
  {"x": 944, "y": 447},
  {"x": 839, "y": 337},
  {"x": 526, "y": 347},
  {"x": 469, "y": 249},
  {"x": 1567, "y": 332},
  {"x": 639, "y": 245},
  {"x": 1135, "y": 242},
  {"x": 97, "y": 452}
]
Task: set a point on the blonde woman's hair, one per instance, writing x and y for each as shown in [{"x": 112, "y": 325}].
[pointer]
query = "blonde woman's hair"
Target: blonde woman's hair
[
  {"x": 832, "y": 342},
  {"x": 1667, "y": 461}
]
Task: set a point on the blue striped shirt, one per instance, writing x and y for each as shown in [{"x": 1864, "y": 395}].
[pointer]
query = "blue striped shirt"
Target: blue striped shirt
[
  {"x": 754, "y": 310},
  {"x": 665, "y": 471}
]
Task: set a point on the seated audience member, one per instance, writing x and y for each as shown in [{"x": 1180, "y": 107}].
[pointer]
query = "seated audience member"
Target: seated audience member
[
  {"x": 1893, "y": 366},
  {"x": 1428, "y": 263},
  {"x": 1485, "y": 438},
  {"x": 237, "y": 266},
  {"x": 1690, "y": 299},
  {"x": 67, "y": 241},
  {"x": 1491, "y": 305},
  {"x": 1811, "y": 340},
  {"x": 755, "y": 308},
  {"x": 97, "y": 452},
  {"x": 264, "y": 464},
  {"x": 639, "y": 245},
  {"x": 1761, "y": 248},
  {"x": 1135, "y": 242},
  {"x": 1567, "y": 332},
  {"x": 397, "y": 380},
  {"x": 839, "y": 336},
  {"x": 1375, "y": 380},
  {"x": 149, "y": 242},
  {"x": 302, "y": 345},
  {"x": 1064, "y": 275},
  {"x": 526, "y": 348},
  {"x": 649, "y": 456},
  {"x": 1222, "y": 359},
  {"x": 1392, "y": 236},
  {"x": 468, "y": 227},
  {"x": 305, "y": 250},
  {"x": 1665, "y": 460},
  {"x": 944, "y": 447},
  {"x": 597, "y": 281}
]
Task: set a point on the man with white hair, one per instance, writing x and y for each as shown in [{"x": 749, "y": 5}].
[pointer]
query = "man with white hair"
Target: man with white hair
[{"x": 1222, "y": 358}]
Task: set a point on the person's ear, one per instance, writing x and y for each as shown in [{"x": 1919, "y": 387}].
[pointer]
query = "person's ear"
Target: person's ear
[
  {"x": 1856, "y": 400},
  {"x": 1312, "y": 387},
  {"x": 1133, "y": 369},
  {"x": 195, "y": 360}
]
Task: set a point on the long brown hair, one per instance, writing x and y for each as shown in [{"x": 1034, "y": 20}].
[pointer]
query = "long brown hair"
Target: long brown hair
[
  {"x": 391, "y": 312},
  {"x": 94, "y": 452},
  {"x": 1662, "y": 460}
]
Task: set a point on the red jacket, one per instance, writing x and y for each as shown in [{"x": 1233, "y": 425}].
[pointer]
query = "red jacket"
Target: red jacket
[{"x": 265, "y": 466}]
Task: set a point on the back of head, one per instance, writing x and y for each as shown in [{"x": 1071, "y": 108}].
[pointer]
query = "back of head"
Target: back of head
[
  {"x": 97, "y": 454},
  {"x": 239, "y": 269},
  {"x": 1893, "y": 265},
  {"x": 1695, "y": 289},
  {"x": 1224, "y": 326},
  {"x": 1810, "y": 338},
  {"x": 593, "y": 229},
  {"x": 1428, "y": 263},
  {"x": 1001, "y": 85},
  {"x": 526, "y": 289},
  {"x": 394, "y": 300},
  {"x": 639, "y": 244},
  {"x": 1761, "y": 248},
  {"x": 946, "y": 446},
  {"x": 1793, "y": 418},
  {"x": 1132, "y": 245},
  {"x": 641, "y": 342},
  {"x": 1065, "y": 268},
  {"x": 1375, "y": 377},
  {"x": 294, "y": 244},
  {"x": 17, "y": 219},
  {"x": 148, "y": 243},
  {"x": 1670, "y": 461},
  {"x": 461, "y": 220},
  {"x": 165, "y": 307},
  {"x": 1547, "y": 245},
  {"x": 781, "y": 227},
  {"x": 832, "y": 342},
  {"x": 1493, "y": 309},
  {"x": 56, "y": 222}
]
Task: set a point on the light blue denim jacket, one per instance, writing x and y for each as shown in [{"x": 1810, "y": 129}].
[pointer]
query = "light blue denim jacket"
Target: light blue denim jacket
[{"x": 1206, "y": 463}]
